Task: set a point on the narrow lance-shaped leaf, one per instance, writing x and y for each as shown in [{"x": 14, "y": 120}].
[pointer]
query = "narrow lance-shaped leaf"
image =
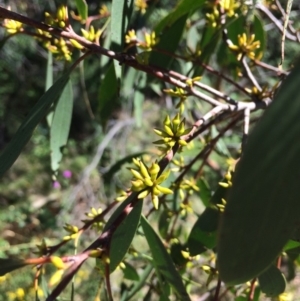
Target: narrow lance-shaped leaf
[
  {"x": 183, "y": 7},
  {"x": 49, "y": 82},
  {"x": 163, "y": 262},
  {"x": 120, "y": 17},
  {"x": 263, "y": 206},
  {"x": 123, "y": 236},
  {"x": 139, "y": 100},
  {"x": 108, "y": 94},
  {"x": 24, "y": 132},
  {"x": 60, "y": 126},
  {"x": 117, "y": 31}
]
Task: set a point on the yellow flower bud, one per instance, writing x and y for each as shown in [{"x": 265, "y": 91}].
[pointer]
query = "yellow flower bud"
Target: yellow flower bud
[{"x": 57, "y": 262}]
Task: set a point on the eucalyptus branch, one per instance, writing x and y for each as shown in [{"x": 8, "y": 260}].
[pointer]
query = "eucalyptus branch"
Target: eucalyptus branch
[
  {"x": 250, "y": 74},
  {"x": 279, "y": 71},
  {"x": 123, "y": 58},
  {"x": 278, "y": 23}
]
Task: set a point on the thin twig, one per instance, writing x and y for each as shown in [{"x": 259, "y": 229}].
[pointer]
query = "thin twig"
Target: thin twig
[
  {"x": 279, "y": 71},
  {"x": 217, "y": 292},
  {"x": 252, "y": 290},
  {"x": 278, "y": 23},
  {"x": 250, "y": 74}
]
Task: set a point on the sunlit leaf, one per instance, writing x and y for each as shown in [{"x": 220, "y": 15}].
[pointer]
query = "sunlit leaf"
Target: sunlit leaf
[{"x": 60, "y": 125}]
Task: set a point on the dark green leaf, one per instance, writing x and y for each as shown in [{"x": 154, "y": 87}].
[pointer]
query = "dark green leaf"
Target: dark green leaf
[
  {"x": 138, "y": 285},
  {"x": 168, "y": 41},
  {"x": 8, "y": 265},
  {"x": 163, "y": 262},
  {"x": 108, "y": 94},
  {"x": 123, "y": 236},
  {"x": 203, "y": 234},
  {"x": 260, "y": 35},
  {"x": 272, "y": 282},
  {"x": 164, "y": 222},
  {"x": 24, "y": 132},
  {"x": 82, "y": 9},
  {"x": 205, "y": 193},
  {"x": 130, "y": 272},
  {"x": 183, "y": 7},
  {"x": 60, "y": 125},
  {"x": 263, "y": 206},
  {"x": 209, "y": 41}
]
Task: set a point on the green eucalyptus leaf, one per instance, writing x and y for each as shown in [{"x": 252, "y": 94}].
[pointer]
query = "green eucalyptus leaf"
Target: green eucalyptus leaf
[
  {"x": 263, "y": 206},
  {"x": 25, "y": 131},
  {"x": 168, "y": 41},
  {"x": 130, "y": 272},
  {"x": 272, "y": 282},
  {"x": 205, "y": 192},
  {"x": 82, "y": 8},
  {"x": 163, "y": 262},
  {"x": 121, "y": 12},
  {"x": 138, "y": 100},
  {"x": 49, "y": 82},
  {"x": 60, "y": 126},
  {"x": 139, "y": 284},
  {"x": 203, "y": 235},
  {"x": 183, "y": 7},
  {"x": 108, "y": 94},
  {"x": 123, "y": 236}
]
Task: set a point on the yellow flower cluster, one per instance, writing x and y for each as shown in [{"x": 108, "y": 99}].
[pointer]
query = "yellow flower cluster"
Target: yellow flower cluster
[
  {"x": 91, "y": 35},
  {"x": 55, "y": 45},
  {"x": 213, "y": 18},
  {"x": 12, "y": 26},
  {"x": 148, "y": 182},
  {"x": 190, "y": 186},
  {"x": 172, "y": 132},
  {"x": 229, "y": 6},
  {"x": 93, "y": 214},
  {"x": 72, "y": 230},
  {"x": 182, "y": 94},
  {"x": 60, "y": 19},
  {"x": 141, "y": 5},
  {"x": 150, "y": 40},
  {"x": 246, "y": 46}
]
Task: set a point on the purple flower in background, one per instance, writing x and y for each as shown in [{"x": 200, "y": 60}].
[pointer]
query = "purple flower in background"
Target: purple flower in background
[
  {"x": 56, "y": 185},
  {"x": 67, "y": 174}
]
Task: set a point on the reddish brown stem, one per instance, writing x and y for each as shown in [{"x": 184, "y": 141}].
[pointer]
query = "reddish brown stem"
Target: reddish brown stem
[{"x": 252, "y": 290}]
